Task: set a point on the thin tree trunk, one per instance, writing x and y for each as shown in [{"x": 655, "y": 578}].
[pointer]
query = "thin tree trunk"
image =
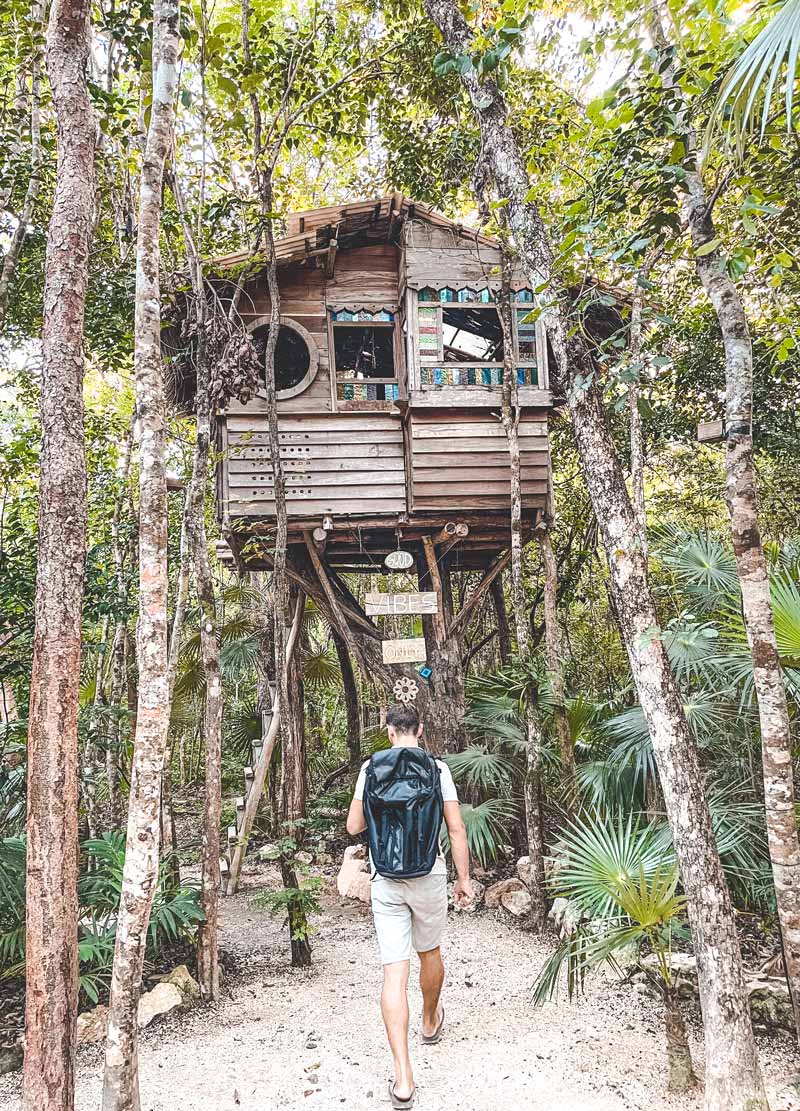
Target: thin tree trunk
[
  {"x": 167, "y": 821},
  {"x": 52, "y": 818},
  {"x": 293, "y": 805},
  {"x": 555, "y": 669},
  {"x": 262, "y": 767},
  {"x": 733, "y": 1075},
  {"x": 118, "y": 648},
  {"x": 140, "y": 875},
  {"x": 510, "y": 417},
  {"x": 751, "y": 563},
  {"x": 350, "y": 691},
  {"x": 679, "y": 1055},
  {"x": 207, "y": 940},
  {"x": 635, "y": 417},
  {"x": 14, "y": 250},
  {"x": 503, "y": 631}
]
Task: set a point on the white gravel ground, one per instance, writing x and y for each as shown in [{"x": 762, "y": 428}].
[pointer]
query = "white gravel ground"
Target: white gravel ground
[{"x": 314, "y": 1040}]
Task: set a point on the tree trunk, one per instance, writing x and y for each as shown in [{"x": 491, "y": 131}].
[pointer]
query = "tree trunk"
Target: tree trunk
[
  {"x": 207, "y": 941},
  {"x": 733, "y": 1075},
  {"x": 52, "y": 818},
  {"x": 510, "y": 416},
  {"x": 635, "y": 417},
  {"x": 443, "y": 717},
  {"x": 503, "y": 631},
  {"x": 293, "y": 802},
  {"x": 552, "y": 637},
  {"x": 350, "y": 691},
  {"x": 679, "y": 1055},
  {"x": 140, "y": 875},
  {"x": 14, "y": 249},
  {"x": 262, "y": 767},
  {"x": 751, "y": 563},
  {"x": 118, "y": 647}
]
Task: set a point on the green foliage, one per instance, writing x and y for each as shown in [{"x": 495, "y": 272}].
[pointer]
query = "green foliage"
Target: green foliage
[
  {"x": 174, "y": 918},
  {"x": 623, "y": 882}
]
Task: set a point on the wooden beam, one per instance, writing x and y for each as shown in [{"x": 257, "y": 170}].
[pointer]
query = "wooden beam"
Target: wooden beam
[
  {"x": 260, "y": 770},
  {"x": 469, "y": 608},
  {"x": 330, "y": 260},
  {"x": 320, "y": 536},
  {"x": 333, "y": 602},
  {"x": 451, "y": 531},
  {"x": 437, "y": 619}
]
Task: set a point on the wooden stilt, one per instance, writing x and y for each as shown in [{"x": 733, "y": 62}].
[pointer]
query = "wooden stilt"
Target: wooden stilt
[{"x": 260, "y": 771}]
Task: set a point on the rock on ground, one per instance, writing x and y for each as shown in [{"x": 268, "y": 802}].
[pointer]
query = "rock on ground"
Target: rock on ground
[
  {"x": 162, "y": 999},
  {"x": 495, "y": 893},
  {"x": 353, "y": 881},
  {"x": 516, "y": 902},
  {"x": 770, "y": 1003}
]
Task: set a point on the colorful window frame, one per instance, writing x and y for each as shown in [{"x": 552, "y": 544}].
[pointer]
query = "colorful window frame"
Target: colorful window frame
[{"x": 430, "y": 352}]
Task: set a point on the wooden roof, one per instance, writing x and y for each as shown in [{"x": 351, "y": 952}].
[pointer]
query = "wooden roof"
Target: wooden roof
[{"x": 356, "y": 223}]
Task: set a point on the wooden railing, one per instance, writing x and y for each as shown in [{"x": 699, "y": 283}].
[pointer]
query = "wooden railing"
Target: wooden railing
[{"x": 477, "y": 375}]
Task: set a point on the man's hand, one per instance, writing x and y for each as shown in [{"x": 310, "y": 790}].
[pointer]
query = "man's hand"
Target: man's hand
[{"x": 463, "y": 893}]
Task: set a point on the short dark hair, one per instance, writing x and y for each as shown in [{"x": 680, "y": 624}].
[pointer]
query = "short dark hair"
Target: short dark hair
[{"x": 403, "y": 717}]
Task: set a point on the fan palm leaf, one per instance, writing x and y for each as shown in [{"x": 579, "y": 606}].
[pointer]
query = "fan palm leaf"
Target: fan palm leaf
[
  {"x": 750, "y": 85},
  {"x": 487, "y": 828}
]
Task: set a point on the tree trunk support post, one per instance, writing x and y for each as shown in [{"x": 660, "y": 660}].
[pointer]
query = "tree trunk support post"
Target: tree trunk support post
[{"x": 262, "y": 767}]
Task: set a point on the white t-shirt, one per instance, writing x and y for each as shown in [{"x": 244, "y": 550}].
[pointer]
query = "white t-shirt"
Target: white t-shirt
[{"x": 449, "y": 794}]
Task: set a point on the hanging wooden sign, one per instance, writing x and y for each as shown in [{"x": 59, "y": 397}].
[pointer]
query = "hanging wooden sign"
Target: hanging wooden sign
[
  {"x": 383, "y": 605},
  {"x": 407, "y": 651},
  {"x": 399, "y": 560}
]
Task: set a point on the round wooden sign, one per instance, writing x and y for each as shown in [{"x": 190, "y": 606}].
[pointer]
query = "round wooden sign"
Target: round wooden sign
[{"x": 399, "y": 560}]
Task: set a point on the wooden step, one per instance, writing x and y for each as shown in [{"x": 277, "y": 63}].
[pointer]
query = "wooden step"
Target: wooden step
[
  {"x": 239, "y": 812},
  {"x": 249, "y": 776}
]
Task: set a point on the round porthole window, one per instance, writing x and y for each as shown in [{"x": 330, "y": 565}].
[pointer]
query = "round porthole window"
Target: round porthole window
[{"x": 296, "y": 355}]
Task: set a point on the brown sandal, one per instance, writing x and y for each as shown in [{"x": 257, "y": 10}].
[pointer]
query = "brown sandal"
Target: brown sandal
[
  {"x": 398, "y": 1103},
  {"x": 436, "y": 1036}
]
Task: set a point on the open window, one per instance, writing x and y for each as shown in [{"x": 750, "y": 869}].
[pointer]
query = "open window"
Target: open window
[
  {"x": 296, "y": 357},
  {"x": 460, "y": 338},
  {"x": 364, "y": 356},
  {"x": 471, "y": 333}
]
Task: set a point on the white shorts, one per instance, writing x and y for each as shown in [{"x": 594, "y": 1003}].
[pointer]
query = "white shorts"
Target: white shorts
[{"x": 409, "y": 914}]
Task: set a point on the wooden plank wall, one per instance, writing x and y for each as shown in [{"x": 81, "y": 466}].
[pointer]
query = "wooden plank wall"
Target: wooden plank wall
[
  {"x": 459, "y": 460},
  {"x": 361, "y": 275},
  {"x": 349, "y": 464},
  {"x": 434, "y": 254}
]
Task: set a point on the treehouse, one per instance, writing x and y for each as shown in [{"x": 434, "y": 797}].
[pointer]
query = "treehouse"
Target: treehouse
[{"x": 389, "y": 368}]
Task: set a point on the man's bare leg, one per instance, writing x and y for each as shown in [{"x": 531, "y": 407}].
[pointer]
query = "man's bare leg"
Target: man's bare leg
[
  {"x": 431, "y": 978},
  {"x": 394, "y": 1007}
]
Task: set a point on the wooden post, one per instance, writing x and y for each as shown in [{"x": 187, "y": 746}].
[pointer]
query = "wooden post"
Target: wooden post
[{"x": 260, "y": 770}]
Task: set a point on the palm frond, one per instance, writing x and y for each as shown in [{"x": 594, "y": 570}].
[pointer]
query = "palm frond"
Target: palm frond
[
  {"x": 750, "y": 85},
  {"x": 479, "y": 767},
  {"x": 601, "y": 854},
  {"x": 487, "y": 828}
]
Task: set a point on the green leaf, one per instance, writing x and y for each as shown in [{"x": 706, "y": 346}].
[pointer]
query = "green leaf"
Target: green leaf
[{"x": 706, "y": 248}]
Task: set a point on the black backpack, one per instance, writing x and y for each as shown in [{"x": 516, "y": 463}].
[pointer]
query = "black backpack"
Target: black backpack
[{"x": 403, "y": 808}]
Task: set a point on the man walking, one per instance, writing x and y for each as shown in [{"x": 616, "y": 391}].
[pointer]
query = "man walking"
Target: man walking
[{"x": 400, "y": 798}]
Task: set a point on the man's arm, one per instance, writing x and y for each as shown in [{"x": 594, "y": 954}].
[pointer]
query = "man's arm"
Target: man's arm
[
  {"x": 356, "y": 822},
  {"x": 462, "y": 891}
]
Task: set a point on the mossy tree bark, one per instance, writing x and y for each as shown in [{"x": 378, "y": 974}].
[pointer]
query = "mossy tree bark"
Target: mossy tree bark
[
  {"x": 733, "y": 1074},
  {"x": 751, "y": 562},
  {"x": 140, "y": 875},
  {"x": 52, "y": 818}
]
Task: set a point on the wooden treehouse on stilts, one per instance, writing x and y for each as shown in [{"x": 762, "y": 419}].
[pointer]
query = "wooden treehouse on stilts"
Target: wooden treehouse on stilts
[{"x": 389, "y": 367}]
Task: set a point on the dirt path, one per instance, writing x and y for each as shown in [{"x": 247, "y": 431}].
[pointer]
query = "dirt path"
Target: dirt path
[{"x": 287, "y": 1040}]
